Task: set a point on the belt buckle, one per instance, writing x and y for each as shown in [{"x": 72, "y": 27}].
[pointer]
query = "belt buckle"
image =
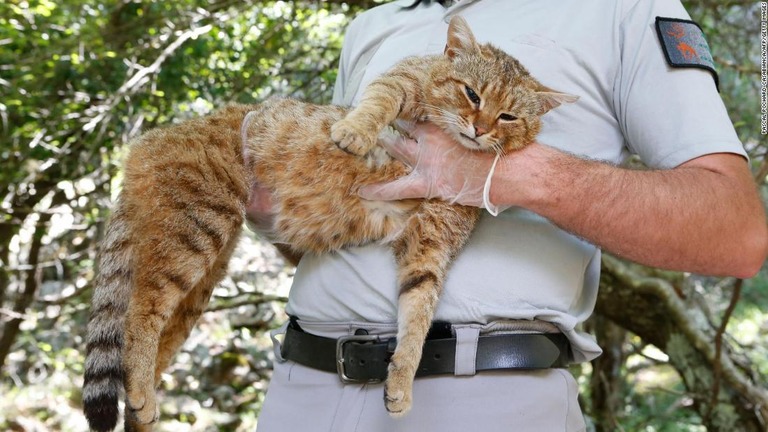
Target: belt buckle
[{"x": 340, "y": 367}]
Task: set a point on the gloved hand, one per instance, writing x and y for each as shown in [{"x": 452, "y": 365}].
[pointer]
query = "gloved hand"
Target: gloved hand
[{"x": 441, "y": 168}]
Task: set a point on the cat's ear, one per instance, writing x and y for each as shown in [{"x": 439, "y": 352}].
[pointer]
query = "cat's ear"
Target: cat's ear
[
  {"x": 550, "y": 99},
  {"x": 460, "y": 38}
]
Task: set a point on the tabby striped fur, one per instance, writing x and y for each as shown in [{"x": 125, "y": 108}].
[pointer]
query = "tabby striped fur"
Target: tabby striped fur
[{"x": 181, "y": 209}]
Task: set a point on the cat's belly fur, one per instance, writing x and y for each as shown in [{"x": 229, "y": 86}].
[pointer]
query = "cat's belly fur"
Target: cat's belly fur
[{"x": 315, "y": 184}]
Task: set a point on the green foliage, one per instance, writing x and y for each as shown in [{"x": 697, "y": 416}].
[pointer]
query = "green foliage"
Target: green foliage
[
  {"x": 80, "y": 78},
  {"x": 750, "y": 324}
]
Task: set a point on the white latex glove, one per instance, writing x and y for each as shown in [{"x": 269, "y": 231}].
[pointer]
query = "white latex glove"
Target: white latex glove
[{"x": 441, "y": 168}]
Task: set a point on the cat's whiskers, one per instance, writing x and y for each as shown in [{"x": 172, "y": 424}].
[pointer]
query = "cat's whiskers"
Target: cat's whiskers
[
  {"x": 497, "y": 148},
  {"x": 435, "y": 107},
  {"x": 445, "y": 121},
  {"x": 443, "y": 113}
]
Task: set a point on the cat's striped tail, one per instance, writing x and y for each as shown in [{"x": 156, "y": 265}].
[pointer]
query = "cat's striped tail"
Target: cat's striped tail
[{"x": 112, "y": 292}]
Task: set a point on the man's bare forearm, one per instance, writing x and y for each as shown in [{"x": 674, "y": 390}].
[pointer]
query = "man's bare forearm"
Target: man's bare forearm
[{"x": 704, "y": 216}]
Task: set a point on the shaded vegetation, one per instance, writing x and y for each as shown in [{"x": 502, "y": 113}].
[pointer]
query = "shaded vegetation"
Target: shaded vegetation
[{"x": 80, "y": 78}]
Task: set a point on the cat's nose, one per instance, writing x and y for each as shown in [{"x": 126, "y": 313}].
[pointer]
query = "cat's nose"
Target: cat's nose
[{"x": 479, "y": 130}]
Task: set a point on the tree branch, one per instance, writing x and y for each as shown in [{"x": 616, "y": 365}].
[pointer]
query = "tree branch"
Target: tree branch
[
  {"x": 719, "y": 346},
  {"x": 658, "y": 315},
  {"x": 33, "y": 275},
  {"x": 248, "y": 300}
]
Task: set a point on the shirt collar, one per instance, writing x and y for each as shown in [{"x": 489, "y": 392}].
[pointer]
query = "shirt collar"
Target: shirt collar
[{"x": 454, "y": 6}]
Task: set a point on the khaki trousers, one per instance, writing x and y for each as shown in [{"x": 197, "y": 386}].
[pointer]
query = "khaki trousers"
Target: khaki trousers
[{"x": 301, "y": 399}]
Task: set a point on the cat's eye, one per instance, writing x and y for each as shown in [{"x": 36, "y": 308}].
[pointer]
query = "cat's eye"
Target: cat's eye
[
  {"x": 507, "y": 117},
  {"x": 472, "y": 95}
]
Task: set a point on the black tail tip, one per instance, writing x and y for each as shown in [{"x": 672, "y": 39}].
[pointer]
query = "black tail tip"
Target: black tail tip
[{"x": 101, "y": 413}]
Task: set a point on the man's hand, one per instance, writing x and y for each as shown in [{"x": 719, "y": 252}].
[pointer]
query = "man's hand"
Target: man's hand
[
  {"x": 704, "y": 216},
  {"x": 441, "y": 168}
]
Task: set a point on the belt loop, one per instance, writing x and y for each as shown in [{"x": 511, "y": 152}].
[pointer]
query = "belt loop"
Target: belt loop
[
  {"x": 466, "y": 349},
  {"x": 277, "y": 347}
]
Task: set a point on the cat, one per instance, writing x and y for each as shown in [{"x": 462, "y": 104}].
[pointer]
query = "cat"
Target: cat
[{"x": 180, "y": 212}]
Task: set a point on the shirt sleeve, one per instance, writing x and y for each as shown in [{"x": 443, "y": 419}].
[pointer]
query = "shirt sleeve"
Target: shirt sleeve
[
  {"x": 342, "y": 76},
  {"x": 668, "y": 115}
]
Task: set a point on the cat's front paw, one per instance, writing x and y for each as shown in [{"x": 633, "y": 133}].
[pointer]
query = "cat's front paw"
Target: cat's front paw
[
  {"x": 352, "y": 138},
  {"x": 142, "y": 404},
  {"x": 398, "y": 390}
]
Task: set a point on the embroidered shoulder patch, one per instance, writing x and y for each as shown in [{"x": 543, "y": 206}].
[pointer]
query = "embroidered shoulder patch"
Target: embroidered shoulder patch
[{"x": 684, "y": 45}]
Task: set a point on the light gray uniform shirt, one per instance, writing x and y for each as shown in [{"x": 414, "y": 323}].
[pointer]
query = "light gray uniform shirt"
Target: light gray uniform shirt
[{"x": 518, "y": 265}]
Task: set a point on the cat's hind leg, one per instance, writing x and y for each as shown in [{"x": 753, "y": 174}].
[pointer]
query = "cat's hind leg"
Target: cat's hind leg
[
  {"x": 182, "y": 321},
  {"x": 185, "y": 316},
  {"x": 157, "y": 292},
  {"x": 424, "y": 251},
  {"x": 178, "y": 250}
]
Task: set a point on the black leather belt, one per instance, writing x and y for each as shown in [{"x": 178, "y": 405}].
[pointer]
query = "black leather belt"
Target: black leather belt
[{"x": 363, "y": 358}]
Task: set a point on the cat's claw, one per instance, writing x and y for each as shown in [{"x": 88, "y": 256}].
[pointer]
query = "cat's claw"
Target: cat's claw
[
  {"x": 398, "y": 391},
  {"x": 397, "y": 403},
  {"x": 143, "y": 405},
  {"x": 351, "y": 138}
]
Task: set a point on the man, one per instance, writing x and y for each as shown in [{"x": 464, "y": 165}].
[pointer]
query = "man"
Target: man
[{"x": 532, "y": 269}]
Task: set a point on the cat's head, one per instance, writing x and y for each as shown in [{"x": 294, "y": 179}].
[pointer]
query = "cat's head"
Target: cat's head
[{"x": 485, "y": 98}]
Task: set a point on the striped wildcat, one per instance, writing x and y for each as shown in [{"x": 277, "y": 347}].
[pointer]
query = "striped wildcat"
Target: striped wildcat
[{"x": 181, "y": 209}]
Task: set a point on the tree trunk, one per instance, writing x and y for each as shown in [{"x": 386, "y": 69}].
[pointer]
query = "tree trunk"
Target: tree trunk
[
  {"x": 11, "y": 327},
  {"x": 664, "y": 313},
  {"x": 606, "y": 382},
  {"x": 7, "y": 232}
]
